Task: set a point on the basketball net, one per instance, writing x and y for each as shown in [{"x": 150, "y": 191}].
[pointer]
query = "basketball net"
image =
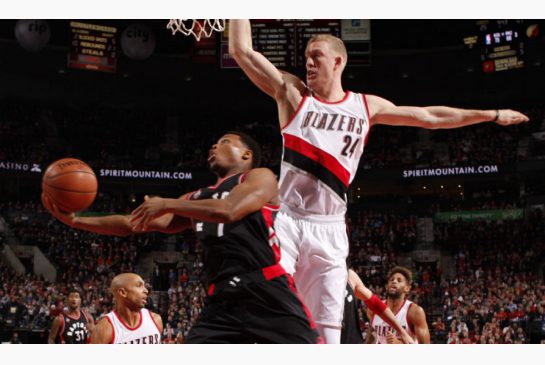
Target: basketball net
[{"x": 198, "y": 28}]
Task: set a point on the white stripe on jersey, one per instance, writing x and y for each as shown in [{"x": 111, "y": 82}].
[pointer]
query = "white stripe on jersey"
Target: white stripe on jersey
[{"x": 146, "y": 332}]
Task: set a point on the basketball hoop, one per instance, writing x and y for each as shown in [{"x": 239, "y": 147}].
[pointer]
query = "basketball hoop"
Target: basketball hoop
[{"x": 197, "y": 27}]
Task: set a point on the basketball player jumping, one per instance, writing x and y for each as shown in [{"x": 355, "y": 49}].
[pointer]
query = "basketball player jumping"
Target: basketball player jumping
[
  {"x": 324, "y": 130},
  {"x": 410, "y": 315},
  {"x": 251, "y": 298},
  {"x": 74, "y": 325},
  {"x": 129, "y": 322}
]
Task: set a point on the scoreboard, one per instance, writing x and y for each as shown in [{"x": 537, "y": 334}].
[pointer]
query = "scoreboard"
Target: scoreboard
[
  {"x": 501, "y": 44},
  {"x": 503, "y": 47},
  {"x": 92, "y": 47},
  {"x": 283, "y": 41}
]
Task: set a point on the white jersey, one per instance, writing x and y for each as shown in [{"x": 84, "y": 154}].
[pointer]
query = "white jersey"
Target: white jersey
[
  {"x": 146, "y": 332},
  {"x": 323, "y": 143},
  {"x": 381, "y": 328}
]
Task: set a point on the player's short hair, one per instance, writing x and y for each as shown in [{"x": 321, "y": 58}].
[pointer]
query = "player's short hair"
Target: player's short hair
[
  {"x": 407, "y": 274},
  {"x": 252, "y": 145},
  {"x": 74, "y": 290},
  {"x": 335, "y": 42}
]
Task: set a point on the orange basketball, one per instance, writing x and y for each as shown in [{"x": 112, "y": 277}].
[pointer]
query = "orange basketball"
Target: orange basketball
[{"x": 70, "y": 184}]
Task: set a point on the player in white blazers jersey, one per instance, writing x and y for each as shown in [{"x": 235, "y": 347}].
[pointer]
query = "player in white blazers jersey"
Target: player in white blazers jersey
[
  {"x": 409, "y": 315},
  {"x": 129, "y": 322},
  {"x": 324, "y": 129}
]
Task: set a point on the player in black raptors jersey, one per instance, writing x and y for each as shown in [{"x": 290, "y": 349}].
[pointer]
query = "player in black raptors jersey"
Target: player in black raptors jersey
[
  {"x": 73, "y": 326},
  {"x": 251, "y": 298}
]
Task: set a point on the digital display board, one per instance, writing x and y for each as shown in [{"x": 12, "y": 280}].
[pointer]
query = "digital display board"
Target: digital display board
[
  {"x": 501, "y": 44},
  {"x": 283, "y": 41},
  {"x": 92, "y": 47}
]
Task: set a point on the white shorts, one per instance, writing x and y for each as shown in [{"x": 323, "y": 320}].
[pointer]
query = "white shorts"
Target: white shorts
[{"x": 314, "y": 251}]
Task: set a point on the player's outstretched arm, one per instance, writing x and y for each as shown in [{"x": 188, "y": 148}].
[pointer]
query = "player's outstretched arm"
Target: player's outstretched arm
[
  {"x": 114, "y": 225},
  {"x": 103, "y": 333},
  {"x": 437, "y": 117},
  {"x": 376, "y": 306},
  {"x": 259, "y": 188}
]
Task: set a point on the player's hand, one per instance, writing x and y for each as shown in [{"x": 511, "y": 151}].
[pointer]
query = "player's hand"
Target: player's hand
[
  {"x": 406, "y": 339},
  {"x": 391, "y": 338},
  {"x": 511, "y": 117},
  {"x": 64, "y": 217},
  {"x": 150, "y": 209}
]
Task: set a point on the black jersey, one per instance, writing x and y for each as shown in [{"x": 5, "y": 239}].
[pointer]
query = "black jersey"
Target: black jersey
[
  {"x": 351, "y": 331},
  {"x": 247, "y": 245},
  {"x": 74, "y": 330}
]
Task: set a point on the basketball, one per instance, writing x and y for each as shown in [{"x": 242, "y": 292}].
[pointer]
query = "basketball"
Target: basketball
[{"x": 70, "y": 184}]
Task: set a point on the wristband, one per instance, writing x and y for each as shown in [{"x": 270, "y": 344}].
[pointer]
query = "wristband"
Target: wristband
[
  {"x": 375, "y": 304},
  {"x": 497, "y": 116}
]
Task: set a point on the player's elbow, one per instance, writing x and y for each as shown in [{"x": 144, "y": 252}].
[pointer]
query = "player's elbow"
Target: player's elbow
[
  {"x": 224, "y": 215},
  {"x": 236, "y": 50},
  {"x": 423, "y": 118},
  {"x": 240, "y": 52},
  {"x": 430, "y": 123}
]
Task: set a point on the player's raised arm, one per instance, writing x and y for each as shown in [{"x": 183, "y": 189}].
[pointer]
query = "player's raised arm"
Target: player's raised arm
[
  {"x": 437, "y": 117},
  {"x": 258, "y": 68}
]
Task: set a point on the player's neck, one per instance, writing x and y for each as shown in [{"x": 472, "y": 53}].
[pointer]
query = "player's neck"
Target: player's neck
[
  {"x": 73, "y": 312},
  {"x": 395, "y": 304},
  {"x": 229, "y": 172},
  {"x": 130, "y": 317},
  {"x": 331, "y": 93}
]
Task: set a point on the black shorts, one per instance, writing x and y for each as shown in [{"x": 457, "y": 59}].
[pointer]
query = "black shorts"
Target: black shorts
[{"x": 259, "y": 312}]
